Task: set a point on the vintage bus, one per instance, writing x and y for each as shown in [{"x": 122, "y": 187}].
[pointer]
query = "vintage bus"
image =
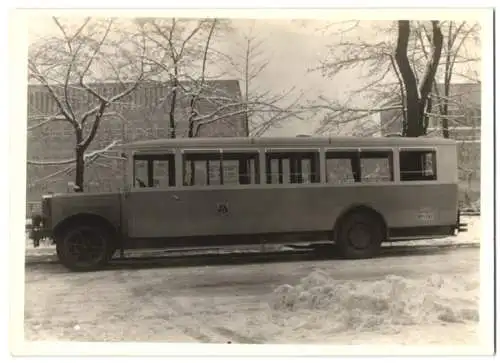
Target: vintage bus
[{"x": 355, "y": 192}]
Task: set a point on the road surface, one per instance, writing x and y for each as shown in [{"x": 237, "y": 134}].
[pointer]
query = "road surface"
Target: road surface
[{"x": 287, "y": 299}]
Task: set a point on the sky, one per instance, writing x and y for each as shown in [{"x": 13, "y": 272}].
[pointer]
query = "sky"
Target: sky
[{"x": 292, "y": 47}]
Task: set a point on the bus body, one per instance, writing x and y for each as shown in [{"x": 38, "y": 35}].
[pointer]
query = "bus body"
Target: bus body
[{"x": 355, "y": 192}]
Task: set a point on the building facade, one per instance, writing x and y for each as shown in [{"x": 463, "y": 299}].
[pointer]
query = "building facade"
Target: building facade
[{"x": 143, "y": 114}]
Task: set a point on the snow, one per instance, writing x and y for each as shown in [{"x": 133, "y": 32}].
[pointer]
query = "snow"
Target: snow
[
  {"x": 428, "y": 305},
  {"x": 394, "y": 310},
  {"x": 393, "y": 301}
]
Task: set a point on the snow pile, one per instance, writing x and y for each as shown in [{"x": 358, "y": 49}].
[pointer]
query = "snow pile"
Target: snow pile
[
  {"x": 374, "y": 305},
  {"x": 474, "y": 230}
]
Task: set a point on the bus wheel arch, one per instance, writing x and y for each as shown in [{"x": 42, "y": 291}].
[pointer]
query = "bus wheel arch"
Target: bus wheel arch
[
  {"x": 359, "y": 232},
  {"x": 98, "y": 231}
]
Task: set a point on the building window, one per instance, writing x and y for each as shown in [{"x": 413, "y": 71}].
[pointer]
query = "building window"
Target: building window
[
  {"x": 292, "y": 167},
  {"x": 154, "y": 171},
  {"x": 417, "y": 165},
  {"x": 227, "y": 168}
]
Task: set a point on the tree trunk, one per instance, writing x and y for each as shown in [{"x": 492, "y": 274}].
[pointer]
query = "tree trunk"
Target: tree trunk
[
  {"x": 447, "y": 80},
  {"x": 172, "y": 106},
  {"x": 413, "y": 116},
  {"x": 191, "y": 134},
  {"x": 80, "y": 168},
  {"x": 192, "y": 115},
  {"x": 417, "y": 99},
  {"x": 247, "y": 79},
  {"x": 80, "y": 160},
  {"x": 430, "y": 71},
  {"x": 428, "y": 111},
  {"x": 444, "y": 123},
  {"x": 444, "y": 113}
]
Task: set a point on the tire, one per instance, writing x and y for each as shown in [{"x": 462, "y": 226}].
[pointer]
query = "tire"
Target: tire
[
  {"x": 360, "y": 235},
  {"x": 91, "y": 241}
]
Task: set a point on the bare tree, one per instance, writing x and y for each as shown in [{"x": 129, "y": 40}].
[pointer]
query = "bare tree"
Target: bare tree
[
  {"x": 383, "y": 87},
  {"x": 175, "y": 47},
  {"x": 68, "y": 67},
  {"x": 187, "y": 59},
  {"x": 380, "y": 85},
  {"x": 264, "y": 109},
  {"x": 455, "y": 53},
  {"x": 193, "y": 128}
]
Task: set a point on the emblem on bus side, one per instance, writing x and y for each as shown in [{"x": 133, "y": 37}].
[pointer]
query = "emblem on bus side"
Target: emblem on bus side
[{"x": 222, "y": 209}]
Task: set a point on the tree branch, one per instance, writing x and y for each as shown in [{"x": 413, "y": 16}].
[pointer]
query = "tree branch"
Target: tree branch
[
  {"x": 91, "y": 59},
  {"x": 71, "y": 161},
  {"x": 59, "y": 172},
  {"x": 100, "y": 111},
  {"x": 46, "y": 121},
  {"x": 194, "y": 98},
  {"x": 53, "y": 94}
]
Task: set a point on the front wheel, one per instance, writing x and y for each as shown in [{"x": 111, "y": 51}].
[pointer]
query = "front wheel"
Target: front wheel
[
  {"x": 84, "y": 246},
  {"x": 359, "y": 236}
]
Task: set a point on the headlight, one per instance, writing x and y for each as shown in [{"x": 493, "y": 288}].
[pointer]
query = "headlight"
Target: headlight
[{"x": 46, "y": 208}]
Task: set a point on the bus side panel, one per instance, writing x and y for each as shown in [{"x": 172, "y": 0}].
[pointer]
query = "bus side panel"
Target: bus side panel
[
  {"x": 177, "y": 213},
  {"x": 419, "y": 205}
]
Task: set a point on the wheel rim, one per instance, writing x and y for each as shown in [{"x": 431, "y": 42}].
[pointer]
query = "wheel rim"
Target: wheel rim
[
  {"x": 360, "y": 236},
  {"x": 85, "y": 247}
]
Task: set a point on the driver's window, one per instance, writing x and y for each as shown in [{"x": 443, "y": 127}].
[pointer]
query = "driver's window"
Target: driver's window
[
  {"x": 154, "y": 171},
  {"x": 140, "y": 173}
]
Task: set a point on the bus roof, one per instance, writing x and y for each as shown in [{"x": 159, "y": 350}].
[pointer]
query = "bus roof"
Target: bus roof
[{"x": 340, "y": 141}]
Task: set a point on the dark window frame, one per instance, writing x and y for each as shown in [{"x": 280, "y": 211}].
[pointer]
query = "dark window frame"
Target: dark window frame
[
  {"x": 379, "y": 154},
  {"x": 150, "y": 159},
  {"x": 295, "y": 158},
  {"x": 244, "y": 162},
  {"x": 420, "y": 174},
  {"x": 356, "y": 156}
]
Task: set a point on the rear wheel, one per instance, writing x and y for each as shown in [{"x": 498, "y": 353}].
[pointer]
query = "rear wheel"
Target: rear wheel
[
  {"x": 84, "y": 246},
  {"x": 360, "y": 235}
]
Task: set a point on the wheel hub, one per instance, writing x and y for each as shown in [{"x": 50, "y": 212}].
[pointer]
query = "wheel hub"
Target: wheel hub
[
  {"x": 85, "y": 246},
  {"x": 359, "y": 236}
]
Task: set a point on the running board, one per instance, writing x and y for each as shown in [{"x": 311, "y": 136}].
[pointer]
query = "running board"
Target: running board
[{"x": 409, "y": 238}]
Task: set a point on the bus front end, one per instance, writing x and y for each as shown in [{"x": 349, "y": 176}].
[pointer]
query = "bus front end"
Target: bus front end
[{"x": 40, "y": 223}]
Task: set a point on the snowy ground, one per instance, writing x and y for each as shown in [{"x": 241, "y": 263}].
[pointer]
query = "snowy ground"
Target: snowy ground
[{"x": 419, "y": 297}]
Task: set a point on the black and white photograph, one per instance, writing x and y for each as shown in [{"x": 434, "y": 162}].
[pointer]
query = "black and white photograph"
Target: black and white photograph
[{"x": 281, "y": 180}]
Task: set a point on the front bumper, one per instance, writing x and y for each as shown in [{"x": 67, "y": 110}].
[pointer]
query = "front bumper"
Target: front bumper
[{"x": 37, "y": 232}]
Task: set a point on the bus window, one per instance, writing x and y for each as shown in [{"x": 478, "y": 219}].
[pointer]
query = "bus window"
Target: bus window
[
  {"x": 140, "y": 173},
  {"x": 162, "y": 175},
  {"x": 221, "y": 169},
  {"x": 342, "y": 167},
  {"x": 240, "y": 168},
  {"x": 376, "y": 166},
  {"x": 292, "y": 167},
  {"x": 202, "y": 169},
  {"x": 417, "y": 165},
  {"x": 154, "y": 171}
]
